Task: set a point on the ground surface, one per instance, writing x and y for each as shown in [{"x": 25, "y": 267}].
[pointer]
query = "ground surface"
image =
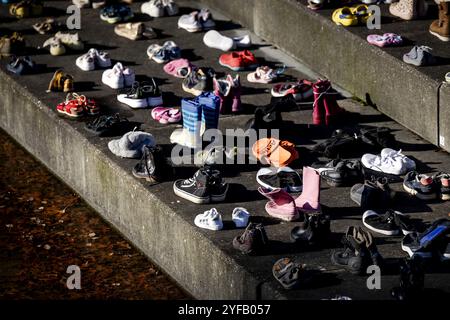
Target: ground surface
[{"x": 242, "y": 182}]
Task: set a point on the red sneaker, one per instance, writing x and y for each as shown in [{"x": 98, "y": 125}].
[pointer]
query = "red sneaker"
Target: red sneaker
[{"x": 239, "y": 60}]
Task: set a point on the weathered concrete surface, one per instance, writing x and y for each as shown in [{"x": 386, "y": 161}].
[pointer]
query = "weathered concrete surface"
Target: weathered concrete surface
[
  {"x": 403, "y": 92},
  {"x": 153, "y": 218}
]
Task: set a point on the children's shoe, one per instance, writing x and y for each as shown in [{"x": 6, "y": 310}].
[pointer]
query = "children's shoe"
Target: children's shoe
[
  {"x": 61, "y": 81},
  {"x": 134, "y": 31},
  {"x": 152, "y": 165},
  {"x": 372, "y": 194},
  {"x": 239, "y": 60},
  {"x": 26, "y": 8},
  {"x": 419, "y": 56},
  {"x": 229, "y": 92},
  {"x": 21, "y": 66},
  {"x": 443, "y": 181},
  {"x": 105, "y": 126},
  {"x": 44, "y": 27},
  {"x": 386, "y": 40},
  {"x": 179, "y": 68},
  {"x": 206, "y": 20},
  {"x": 198, "y": 81},
  {"x": 345, "y": 17},
  {"x": 162, "y": 54},
  {"x": 262, "y": 75},
  {"x": 153, "y": 8},
  {"x": 309, "y": 200},
  {"x": 391, "y": 223},
  {"x": 136, "y": 97},
  {"x": 409, "y": 9},
  {"x": 211, "y": 220},
  {"x": 315, "y": 230},
  {"x": 71, "y": 107},
  {"x": 441, "y": 27},
  {"x": 166, "y": 115},
  {"x": 274, "y": 152},
  {"x": 116, "y": 13},
  {"x": 190, "y": 22},
  {"x": 90, "y": 107},
  {"x": 118, "y": 77},
  {"x": 341, "y": 172},
  {"x": 300, "y": 91},
  {"x": 214, "y": 39},
  {"x": 240, "y": 217},
  {"x": 82, "y": 4},
  {"x": 281, "y": 204},
  {"x": 283, "y": 178},
  {"x": 70, "y": 40},
  {"x": 389, "y": 162},
  {"x": 131, "y": 144},
  {"x": 13, "y": 45},
  {"x": 352, "y": 255},
  {"x": 253, "y": 240},
  {"x": 421, "y": 185},
  {"x": 86, "y": 62}
]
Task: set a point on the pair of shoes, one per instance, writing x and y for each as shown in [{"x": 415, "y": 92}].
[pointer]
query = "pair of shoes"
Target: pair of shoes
[
  {"x": 197, "y": 21},
  {"x": 212, "y": 219},
  {"x": 152, "y": 167},
  {"x": 420, "y": 56},
  {"x": 142, "y": 95},
  {"x": 92, "y": 59},
  {"x": 179, "y": 68},
  {"x": 409, "y": 9},
  {"x": 213, "y": 39},
  {"x": 12, "y": 45},
  {"x": 162, "y": 54},
  {"x": 198, "y": 81},
  {"x": 441, "y": 27},
  {"x": 61, "y": 81},
  {"x": 391, "y": 223},
  {"x": 339, "y": 172},
  {"x": 434, "y": 240},
  {"x": 26, "y": 9},
  {"x": 76, "y": 106},
  {"x": 239, "y": 60},
  {"x": 159, "y": 8},
  {"x": 428, "y": 187},
  {"x": 315, "y": 229},
  {"x": 131, "y": 144},
  {"x": 388, "y": 162},
  {"x": 118, "y": 76},
  {"x": 199, "y": 114},
  {"x": 326, "y": 110},
  {"x": 105, "y": 126},
  {"x": 21, "y": 65},
  {"x": 95, "y": 4},
  {"x": 166, "y": 115},
  {"x": 351, "y": 16},
  {"x": 134, "y": 31},
  {"x": 301, "y": 90},
  {"x": 277, "y": 153},
  {"x": 229, "y": 92},
  {"x": 62, "y": 40},
  {"x": 253, "y": 240},
  {"x": 374, "y": 193},
  {"x": 44, "y": 27},
  {"x": 267, "y": 117},
  {"x": 283, "y": 206},
  {"x": 116, "y": 13},
  {"x": 205, "y": 186},
  {"x": 358, "y": 253},
  {"x": 264, "y": 75},
  {"x": 291, "y": 274},
  {"x": 386, "y": 40},
  {"x": 283, "y": 178}
]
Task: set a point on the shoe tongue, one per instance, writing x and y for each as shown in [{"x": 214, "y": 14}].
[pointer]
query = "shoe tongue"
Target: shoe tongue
[
  {"x": 445, "y": 182},
  {"x": 426, "y": 180}
]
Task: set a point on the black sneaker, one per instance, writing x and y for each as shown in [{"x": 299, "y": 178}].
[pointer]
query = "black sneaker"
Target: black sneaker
[
  {"x": 284, "y": 178},
  {"x": 315, "y": 230},
  {"x": 341, "y": 172},
  {"x": 374, "y": 193},
  {"x": 106, "y": 126},
  {"x": 152, "y": 166},
  {"x": 352, "y": 255},
  {"x": 421, "y": 185},
  {"x": 391, "y": 223},
  {"x": 204, "y": 187},
  {"x": 253, "y": 240},
  {"x": 153, "y": 93},
  {"x": 198, "y": 81},
  {"x": 425, "y": 244}
]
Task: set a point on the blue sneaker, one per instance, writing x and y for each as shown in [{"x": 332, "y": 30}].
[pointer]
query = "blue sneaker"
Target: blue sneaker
[
  {"x": 116, "y": 13},
  {"x": 420, "y": 185},
  {"x": 21, "y": 66}
]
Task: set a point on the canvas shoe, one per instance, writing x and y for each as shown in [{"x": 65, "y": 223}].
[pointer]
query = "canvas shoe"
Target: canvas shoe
[
  {"x": 391, "y": 223},
  {"x": 240, "y": 217},
  {"x": 389, "y": 161},
  {"x": 136, "y": 97},
  {"x": 374, "y": 193},
  {"x": 300, "y": 90},
  {"x": 341, "y": 172},
  {"x": 264, "y": 74},
  {"x": 21, "y": 66},
  {"x": 118, "y": 76},
  {"x": 419, "y": 56},
  {"x": 190, "y": 22},
  {"x": 253, "y": 240},
  {"x": 284, "y": 178},
  {"x": 153, "y": 8},
  {"x": 211, "y": 220},
  {"x": 116, "y": 13},
  {"x": 239, "y": 60},
  {"x": 213, "y": 39},
  {"x": 180, "y": 68},
  {"x": 152, "y": 165},
  {"x": 443, "y": 181},
  {"x": 421, "y": 185}
]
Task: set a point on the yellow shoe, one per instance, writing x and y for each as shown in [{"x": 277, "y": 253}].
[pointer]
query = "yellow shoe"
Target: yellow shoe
[
  {"x": 20, "y": 10},
  {"x": 361, "y": 12},
  {"x": 345, "y": 17}
]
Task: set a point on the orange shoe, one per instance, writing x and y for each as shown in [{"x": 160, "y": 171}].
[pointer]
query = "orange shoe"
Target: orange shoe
[{"x": 275, "y": 152}]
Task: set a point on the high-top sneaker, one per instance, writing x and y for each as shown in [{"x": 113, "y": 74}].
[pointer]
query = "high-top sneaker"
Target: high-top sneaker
[
  {"x": 375, "y": 193},
  {"x": 253, "y": 240},
  {"x": 441, "y": 27},
  {"x": 315, "y": 229},
  {"x": 443, "y": 181},
  {"x": 218, "y": 188}
]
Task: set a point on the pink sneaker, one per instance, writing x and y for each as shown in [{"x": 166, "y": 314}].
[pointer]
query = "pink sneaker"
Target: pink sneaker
[
  {"x": 281, "y": 204},
  {"x": 179, "y": 68},
  {"x": 386, "y": 40}
]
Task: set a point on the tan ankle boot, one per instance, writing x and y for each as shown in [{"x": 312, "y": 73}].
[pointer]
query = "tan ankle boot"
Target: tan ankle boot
[
  {"x": 441, "y": 27},
  {"x": 409, "y": 9}
]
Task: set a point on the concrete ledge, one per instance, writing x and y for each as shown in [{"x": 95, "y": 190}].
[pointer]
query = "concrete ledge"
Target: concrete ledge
[{"x": 405, "y": 93}]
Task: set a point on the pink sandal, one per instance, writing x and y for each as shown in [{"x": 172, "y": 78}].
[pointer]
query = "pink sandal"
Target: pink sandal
[
  {"x": 386, "y": 40},
  {"x": 166, "y": 115}
]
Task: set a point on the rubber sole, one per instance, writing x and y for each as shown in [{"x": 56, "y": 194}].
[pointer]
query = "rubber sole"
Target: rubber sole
[
  {"x": 421, "y": 196},
  {"x": 385, "y": 232},
  {"x": 442, "y": 38},
  {"x": 69, "y": 114},
  {"x": 133, "y": 103},
  {"x": 190, "y": 197},
  {"x": 420, "y": 254},
  {"x": 237, "y": 69}
]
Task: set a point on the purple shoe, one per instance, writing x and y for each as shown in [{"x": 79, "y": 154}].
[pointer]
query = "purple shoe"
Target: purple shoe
[{"x": 386, "y": 40}]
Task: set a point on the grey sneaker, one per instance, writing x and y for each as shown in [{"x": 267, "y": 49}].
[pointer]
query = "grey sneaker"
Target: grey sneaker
[
  {"x": 419, "y": 56},
  {"x": 372, "y": 194}
]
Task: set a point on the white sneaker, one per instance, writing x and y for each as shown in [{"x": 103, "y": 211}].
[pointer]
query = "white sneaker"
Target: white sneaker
[
  {"x": 86, "y": 62},
  {"x": 211, "y": 220},
  {"x": 114, "y": 77},
  {"x": 154, "y": 8},
  {"x": 190, "y": 22},
  {"x": 102, "y": 59},
  {"x": 82, "y": 3},
  {"x": 214, "y": 39},
  {"x": 240, "y": 217},
  {"x": 389, "y": 161},
  {"x": 70, "y": 40}
]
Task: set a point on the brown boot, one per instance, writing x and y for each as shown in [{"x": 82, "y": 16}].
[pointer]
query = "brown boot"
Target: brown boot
[{"x": 441, "y": 27}]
